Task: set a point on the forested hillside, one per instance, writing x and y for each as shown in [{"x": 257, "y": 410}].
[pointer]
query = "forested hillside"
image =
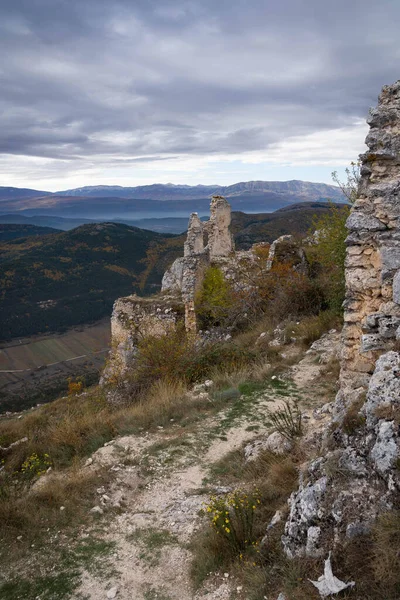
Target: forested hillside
[{"x": 49, "y": 283}]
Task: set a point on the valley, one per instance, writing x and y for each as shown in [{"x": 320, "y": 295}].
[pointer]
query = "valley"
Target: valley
[{"x": 35, "y": 370}]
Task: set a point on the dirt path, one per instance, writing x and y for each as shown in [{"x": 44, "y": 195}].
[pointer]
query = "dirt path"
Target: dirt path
[{"x": 151, "y": 509}]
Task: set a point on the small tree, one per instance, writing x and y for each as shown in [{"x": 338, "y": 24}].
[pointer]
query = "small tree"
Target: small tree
[{"x": 214, "y": 299}]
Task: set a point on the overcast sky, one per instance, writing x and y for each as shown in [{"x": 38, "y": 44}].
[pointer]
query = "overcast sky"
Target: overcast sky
[{"x": 131, "y": 92}]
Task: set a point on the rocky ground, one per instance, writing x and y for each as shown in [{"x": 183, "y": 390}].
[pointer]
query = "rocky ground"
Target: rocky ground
[{"x": 149, "y": 513}]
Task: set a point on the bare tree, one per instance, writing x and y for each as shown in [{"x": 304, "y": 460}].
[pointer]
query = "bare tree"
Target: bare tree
[{"x": 349, "y": 187}]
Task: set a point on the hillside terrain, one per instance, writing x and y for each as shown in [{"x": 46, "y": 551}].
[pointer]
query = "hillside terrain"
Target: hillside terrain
[
  {"x": 53, "y": 282},
  {"x": 11, "y": 232}
]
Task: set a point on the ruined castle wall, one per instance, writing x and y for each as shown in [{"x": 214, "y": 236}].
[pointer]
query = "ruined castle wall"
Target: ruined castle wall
[
  {"x": 372, "y": 305},
  {"x": 134, "y": 318},
  {"x": 327, "y": 509},
  {"x": 205, "y": 242},
  {"x": 220, "y": 240}
]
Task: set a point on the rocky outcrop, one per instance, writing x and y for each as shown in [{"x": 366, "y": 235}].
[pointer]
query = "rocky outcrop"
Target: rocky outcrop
[
  {"x": 357, "y": 475},
  {"x": 217, "y": 229}
]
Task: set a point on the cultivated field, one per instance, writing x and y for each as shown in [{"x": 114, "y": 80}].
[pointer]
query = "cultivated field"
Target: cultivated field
[{"x": 37, "y": 369}]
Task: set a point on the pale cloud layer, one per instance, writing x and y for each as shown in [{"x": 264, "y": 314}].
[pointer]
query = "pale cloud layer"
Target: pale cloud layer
[{"x": 133, "y": 92}]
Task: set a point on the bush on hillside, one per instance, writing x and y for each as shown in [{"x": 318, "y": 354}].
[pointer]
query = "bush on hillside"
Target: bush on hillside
[
  {"x": 214, "y": 300},
  {"x": 327, "y": 256}
]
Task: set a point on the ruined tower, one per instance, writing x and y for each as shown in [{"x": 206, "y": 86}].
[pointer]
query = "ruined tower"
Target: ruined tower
[{"x": 205, "y": 243}]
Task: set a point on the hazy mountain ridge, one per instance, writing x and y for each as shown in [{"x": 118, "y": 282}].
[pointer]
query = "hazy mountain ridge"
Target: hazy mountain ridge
[
  {"x": 10, "y": 193},
  {"x": 185, "y": 192}
]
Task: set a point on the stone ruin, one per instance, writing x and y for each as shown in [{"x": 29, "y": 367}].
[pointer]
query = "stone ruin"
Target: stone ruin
[
  {"x": 206, "y": 243},
  {"x": 134, "y": 318},
  {"x": 357, "y": 476}
]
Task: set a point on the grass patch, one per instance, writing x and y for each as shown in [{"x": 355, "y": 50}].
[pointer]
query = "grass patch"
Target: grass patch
[
  {"x": 50, "y": 587},
  {"x": 90, "y": 554},
  {"x": 151, "y": 542},
  {"x": 312, "y": 328}
]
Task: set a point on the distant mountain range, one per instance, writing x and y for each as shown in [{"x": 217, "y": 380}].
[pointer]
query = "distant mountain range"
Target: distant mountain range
[
  {"x": 169, "y": 191},
  {"x": 160, "y": 200}
]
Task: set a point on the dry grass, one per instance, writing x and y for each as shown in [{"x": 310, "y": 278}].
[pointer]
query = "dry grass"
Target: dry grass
[
  {"x": 312, "y": 328},
  {"x": 352, "y": 419},
  {"x": 68, "y": 430},
  {"x": 386, "y": 550},
  {"x": 274, "y": 477},
  {"x": 390, "y": 412}
]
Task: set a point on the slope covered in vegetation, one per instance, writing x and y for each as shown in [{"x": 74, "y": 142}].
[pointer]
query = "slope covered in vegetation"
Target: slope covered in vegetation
[{"x": 49, "y": 283}]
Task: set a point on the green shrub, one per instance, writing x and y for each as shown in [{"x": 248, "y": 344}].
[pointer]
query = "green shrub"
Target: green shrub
[
  {"x": 214, "y": 299},
  {"x": 232, "y": 517},
  {"x": 327, "y": 256}
]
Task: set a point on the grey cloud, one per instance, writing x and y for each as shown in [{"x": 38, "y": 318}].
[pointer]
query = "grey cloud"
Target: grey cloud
[{"x": 88, "y": 79}]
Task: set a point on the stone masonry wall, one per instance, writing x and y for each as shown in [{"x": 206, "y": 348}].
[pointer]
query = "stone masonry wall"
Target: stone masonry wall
[
  {"x": 205, "y": 243},
  {"x": 357, "y": 476},
  {"x": 372, "y": 305}
]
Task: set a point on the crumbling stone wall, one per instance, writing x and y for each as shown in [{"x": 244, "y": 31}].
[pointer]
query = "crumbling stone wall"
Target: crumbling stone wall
[
  {"x": 357, "y": 476},
  {"x": 220, "y": 240},
  {"x": 134, "y": 318},
  {"x": 205, "y": 243},
  {"x": 372, "y": 305}
]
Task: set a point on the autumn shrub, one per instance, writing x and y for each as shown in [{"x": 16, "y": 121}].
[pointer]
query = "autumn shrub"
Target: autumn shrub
[
  {"x": 311, "y": 328},
  {"x": 178, "y": 357},
  {"x": 75, "y": 387}
]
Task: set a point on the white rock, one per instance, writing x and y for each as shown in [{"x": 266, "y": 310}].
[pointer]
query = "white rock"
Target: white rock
[
  {"x": 96, "y": 510},
  {"x": 112, "y": 592}
]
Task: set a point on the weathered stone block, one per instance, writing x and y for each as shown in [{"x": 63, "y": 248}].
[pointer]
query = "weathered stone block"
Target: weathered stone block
[
  {"x": 390, "y": 258},
  {"x": 396, "y": 287},
  {"x": 372, "y": 341},
  {"x": 359, "y": 221}
]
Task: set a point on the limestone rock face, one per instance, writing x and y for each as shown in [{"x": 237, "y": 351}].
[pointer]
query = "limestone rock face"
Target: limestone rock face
[
  {"x": 194, "y": 241},
  {"x": 172, "y": 279},
  {"x": 350, "y": 485}
]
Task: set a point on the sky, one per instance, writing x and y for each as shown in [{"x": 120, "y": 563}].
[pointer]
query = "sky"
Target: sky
[{"x": 133, "y": 92}]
